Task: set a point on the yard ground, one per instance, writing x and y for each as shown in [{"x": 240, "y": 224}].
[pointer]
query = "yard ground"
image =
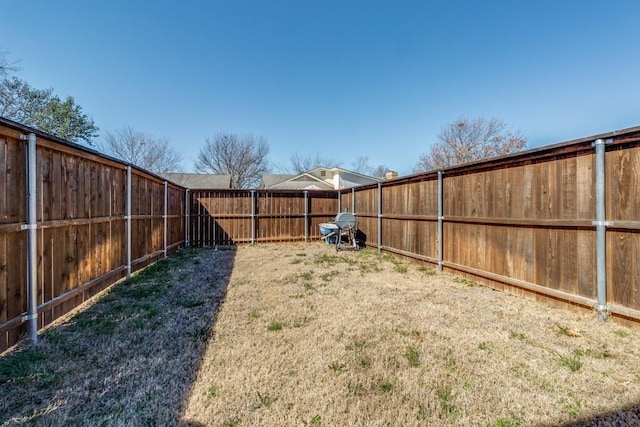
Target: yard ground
[{"x": 308, "y": 336}]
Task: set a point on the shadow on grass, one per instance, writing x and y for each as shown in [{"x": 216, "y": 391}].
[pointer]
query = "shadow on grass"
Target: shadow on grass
[
  {"x": 626, "y": 416},
  {"x": 129, "y": 359}
]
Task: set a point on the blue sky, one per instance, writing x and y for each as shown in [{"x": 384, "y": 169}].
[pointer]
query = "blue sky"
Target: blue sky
[{"x": 340, "y": 78}]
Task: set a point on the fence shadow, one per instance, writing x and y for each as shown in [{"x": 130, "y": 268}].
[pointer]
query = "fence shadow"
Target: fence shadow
[
  {"x": 130, "y": 358},
  {"x": 625, "y": 416}
]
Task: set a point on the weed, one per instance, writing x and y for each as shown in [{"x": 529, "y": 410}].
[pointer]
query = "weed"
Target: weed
[
  {"x": 304, "y": 321},
  {"x": 517, "y": 335},
  {"x": 192, "y": 303},
  {"x": 232, "y": 422},
  {"x": 621, "y": 333},
  {"x": 364, "y": 362},
  {"x": 502, "y": 422},
  {"x": 296, "y": 261},
  {"x": 301, "y": 254},
  {"x": 450, "y": 361},
  {"x": 358, "y": 345},
  {"x": 355, "y": 389},
  {"x": 401, "y": 268},
  {"x": 412, "y": 356},
  {"x": 338, "y": 367},
  {"x": 572, "y": 362},
  {"x": 200, "y": 334},
  {"x": 307, "y": 275},
  {"x": 426, "y": 270},
  {"x": 264, "y": 401},
  {"x": 385, "y": 386},
  {"x": 317, "y": 419},
  {"x": 483, "y": 345},
  {"x": 445, "y": 398},
  {"x": 423, "y": 412},
  {"x": 213, "y": 391},
  {"x": 465, "y": 282},
  {"x": 254, "y": 314},
  {"x": 329, "y": 275},
  {"x": 275, "y": 326},
  {"x": 602, "y": 353},
  {"x": 546, "y": 386},
  {"x": 567, "y": 331},
  {"x": 571, "y": 405}
]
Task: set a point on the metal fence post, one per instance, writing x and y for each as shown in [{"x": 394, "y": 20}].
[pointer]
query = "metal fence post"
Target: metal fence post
[
  {"x": 253, "y": 217},
  {"x": 186, "y": 218},
  {"x": 339, "y": 201},
  {"x": 440, "y": 219},
  {"x": 128, "y": 220},
  {"x": 306, "y": 215},
  {"x": 601, "y": 230},
  {"x": 32, "y": 240},
  {"x": 379, "y": 217},
  {"x": 164, "y": 219}
]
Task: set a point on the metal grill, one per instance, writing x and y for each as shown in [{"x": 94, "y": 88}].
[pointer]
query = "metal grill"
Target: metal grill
[{"x": 342, "y": 230}]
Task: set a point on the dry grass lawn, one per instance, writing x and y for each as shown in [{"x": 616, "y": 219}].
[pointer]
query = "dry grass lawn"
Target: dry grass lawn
[{"x": 308, "y": 336}]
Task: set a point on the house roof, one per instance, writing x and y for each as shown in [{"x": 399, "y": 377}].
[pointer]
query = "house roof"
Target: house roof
[
  {"x": 199, "y": 181},
  {"x": 308, "y": 180},
  {"x": 337, "y": 169},
  {"x": 269, "y": 180}
]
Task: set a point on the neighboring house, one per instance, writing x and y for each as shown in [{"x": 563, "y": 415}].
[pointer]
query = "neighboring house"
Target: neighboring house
[
  {"x": 200, "y": 181},
  {"x": 320, "y": 178}
]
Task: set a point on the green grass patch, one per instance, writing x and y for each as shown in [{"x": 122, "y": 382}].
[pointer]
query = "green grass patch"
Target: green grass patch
[
  {"x": 621, "y": 333},
  {"x": 338, "y": 367},
  {"x": 445, "y": 400},
  {"x": 508, "y": 422},
  {"x": 426, "y": 270},
  {"x": 412, "y": 356},
  {"x": 385, "y": 386},
  {"x": 191, "y": 303},
  {"x": 517, "y": 335},
  {"x": 464, "y": 282},
  {"x": 21, "y": 364},
  {"x": 275, "y": 326},
  {"x": 572, "y": 362}
]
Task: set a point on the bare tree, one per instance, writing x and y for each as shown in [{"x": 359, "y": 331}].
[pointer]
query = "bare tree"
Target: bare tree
[
  {"x": 379, "y": 171},
  {"x": 242, "y": 157},
  {"x": 467, "y": 140},
  {"x": 5, "y": 66},
  {"x": 300, "y": 164},
  {"x": 361, "y": 165},
  {"x": 142, "y": 150}
]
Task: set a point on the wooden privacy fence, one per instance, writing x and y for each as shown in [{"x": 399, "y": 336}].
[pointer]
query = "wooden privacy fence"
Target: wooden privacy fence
[
  {"x": 533, "y": 222},
  {"x": 73, "y": 222},
  {"x": 562, "y": 222},
  {"x": 224, "y": 217}
]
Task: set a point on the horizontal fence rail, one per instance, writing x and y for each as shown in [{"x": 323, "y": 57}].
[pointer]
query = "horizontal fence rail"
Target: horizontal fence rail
[
  {"x": 561, "y": 223},
  {"x": 72, "y": 223},
  {"x": 526, "y": 223},
  {"x": 227, "y": 217}
]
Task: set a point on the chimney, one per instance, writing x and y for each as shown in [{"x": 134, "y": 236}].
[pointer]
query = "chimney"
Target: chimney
[{"x": 390, "y": 175}]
